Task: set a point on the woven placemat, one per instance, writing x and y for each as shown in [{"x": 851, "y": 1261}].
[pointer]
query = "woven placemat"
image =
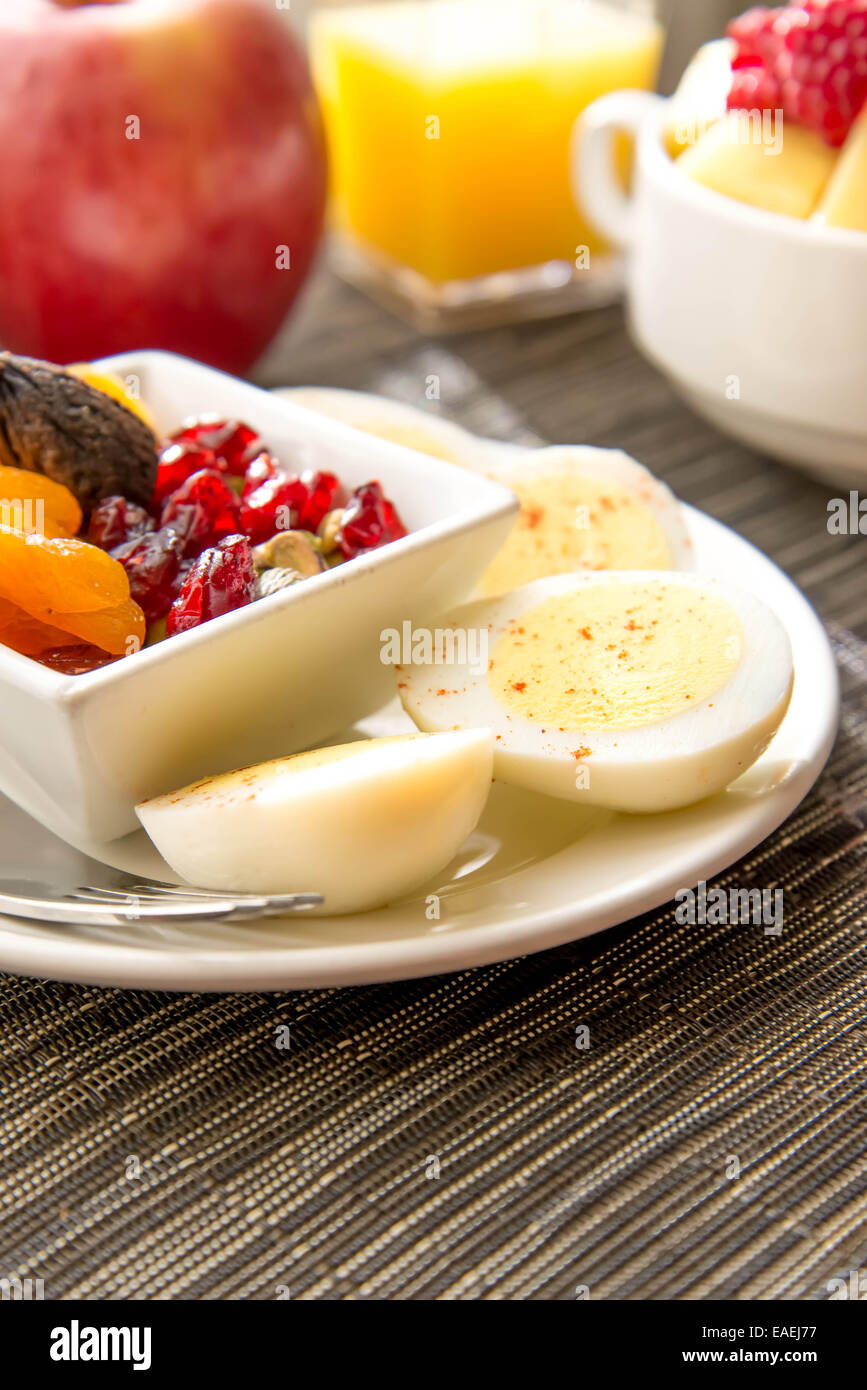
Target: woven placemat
[{"x": 450, "y": 1137}]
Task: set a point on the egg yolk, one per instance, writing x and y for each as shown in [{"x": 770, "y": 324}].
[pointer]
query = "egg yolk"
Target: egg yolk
[
  {"x": 615, "y": 656},
  {"x": 568, "y": 523}
]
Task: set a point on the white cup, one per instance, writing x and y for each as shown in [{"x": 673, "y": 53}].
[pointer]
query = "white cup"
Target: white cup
[{"x": 758, "y": 319}]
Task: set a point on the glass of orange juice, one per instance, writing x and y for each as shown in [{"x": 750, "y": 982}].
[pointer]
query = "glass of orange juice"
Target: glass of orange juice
[{"x": 449, "y": 126}]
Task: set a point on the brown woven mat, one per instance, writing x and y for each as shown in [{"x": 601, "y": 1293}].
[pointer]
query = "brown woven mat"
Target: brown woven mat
[{"x": 446, "y": 1137}]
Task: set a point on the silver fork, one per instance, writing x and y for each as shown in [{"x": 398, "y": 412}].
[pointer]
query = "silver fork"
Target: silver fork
[{"x": 142, "y": 901}]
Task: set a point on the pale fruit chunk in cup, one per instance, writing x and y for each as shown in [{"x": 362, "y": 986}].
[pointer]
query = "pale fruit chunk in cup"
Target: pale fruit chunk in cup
[
  {"x": 638, "y": 692},
  {"x": 844, "y": 202},
  {"x": 361, "y": 823},
  {"x": 756, "y": 159},
  {"x": 700, "y": 98}
]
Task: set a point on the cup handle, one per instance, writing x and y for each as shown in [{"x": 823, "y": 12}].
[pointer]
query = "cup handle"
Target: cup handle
[{"x": 593, "y": 163}]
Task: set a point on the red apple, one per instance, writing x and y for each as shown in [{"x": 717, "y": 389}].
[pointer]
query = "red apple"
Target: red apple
[{"x": 162, "y": 177}]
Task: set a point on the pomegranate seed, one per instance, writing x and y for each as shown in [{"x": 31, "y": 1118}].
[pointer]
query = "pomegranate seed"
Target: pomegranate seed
[
  {"x": 755, "y": 36},
  {"x": 325, "y": 493},
  {"x": 114, "y": 521},
  {"x": 231, "y": 442},
  {"x": 369, "y": 521},
  {"x": 203, "y": 510},
  {"x": 258, "y": 471},
  {"x": 152, "y": 563},
  {"x": 753, "y": 89},
  {"x": 177, "y": 462},
  {"x": 223, "y": 578},
  {"x": 272, "y": 507},
  {"x": 808, "y": 59},
  {"x": 287, "y": 502}
]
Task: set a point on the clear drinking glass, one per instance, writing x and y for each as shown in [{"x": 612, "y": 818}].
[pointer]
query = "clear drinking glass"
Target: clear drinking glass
[{"x": 449, "y": 125}]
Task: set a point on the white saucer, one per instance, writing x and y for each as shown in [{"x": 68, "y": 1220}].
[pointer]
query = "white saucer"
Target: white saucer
[{"x": 535, "y": 874}]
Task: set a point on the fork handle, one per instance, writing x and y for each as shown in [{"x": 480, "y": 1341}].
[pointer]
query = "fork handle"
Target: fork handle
[{"x": 102, "y": 914}]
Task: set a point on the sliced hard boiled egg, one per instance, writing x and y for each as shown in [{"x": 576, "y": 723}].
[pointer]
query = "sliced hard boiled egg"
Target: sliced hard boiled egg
[
  {"x": 401, "y": 423},
  {"x": 585, "y": 509},
  {"x": 361, "y": 823},
  {"x": 635, "y": 691},
  {"x": 581, "y": 507}
]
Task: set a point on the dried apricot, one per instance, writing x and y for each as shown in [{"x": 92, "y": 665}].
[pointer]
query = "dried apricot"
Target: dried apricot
[
  {"x": 32, "y": 502},
  {"x": 54, "y": 591},
  {"x": 119, "y": 630},
  {"x": 58, "y": 575},
  {"x": 27, "y": 634}
]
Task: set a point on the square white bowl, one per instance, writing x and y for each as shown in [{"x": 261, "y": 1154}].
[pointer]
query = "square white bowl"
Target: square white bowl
[{"x": 285, "y": 673}]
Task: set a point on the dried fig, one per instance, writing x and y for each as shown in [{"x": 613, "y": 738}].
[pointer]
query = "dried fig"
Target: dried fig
[{"x": 54, "y": 423}]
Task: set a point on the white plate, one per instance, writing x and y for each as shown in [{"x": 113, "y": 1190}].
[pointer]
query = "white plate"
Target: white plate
[{"x": 536, "y": 873}]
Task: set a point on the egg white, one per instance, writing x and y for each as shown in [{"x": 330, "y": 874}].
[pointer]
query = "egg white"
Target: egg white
[
  {"x": 655, "y": 526},
  {"x": 417, "y": 429},
  {"x": 655, "y": 766},
  {"x": 362, "y": 824}
]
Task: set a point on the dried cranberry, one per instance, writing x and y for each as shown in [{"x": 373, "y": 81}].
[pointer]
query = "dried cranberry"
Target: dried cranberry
[
  {"x": 177, "y": 462},
  {"x": 152, "y": 563},
  {"x": 231, "y": 442},
  {"x": 203, "y": 510},
  {"x": 181, "y": 577},
  {"x": 369, "y": 521},
  {"x": 222, "y": 579},
  {"x": 258, "y": 471},
  {"x": 287, "y": 502},
  {"x": 272, "y": 507},
  {"x": 115, "y": 520},
  {"x": 77, "y": 659},
  {"x": 324, "y": 493}
]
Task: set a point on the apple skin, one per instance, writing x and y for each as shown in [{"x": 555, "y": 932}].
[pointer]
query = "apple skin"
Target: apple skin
[{"x": 171, "y": 240}]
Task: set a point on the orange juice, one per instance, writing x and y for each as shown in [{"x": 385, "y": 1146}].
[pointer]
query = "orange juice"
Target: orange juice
[{"x": 449, "y": 124}]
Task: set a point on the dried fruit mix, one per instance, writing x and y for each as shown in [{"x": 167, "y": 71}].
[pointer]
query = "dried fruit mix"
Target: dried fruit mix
[{"x": 169, "y": 528}]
